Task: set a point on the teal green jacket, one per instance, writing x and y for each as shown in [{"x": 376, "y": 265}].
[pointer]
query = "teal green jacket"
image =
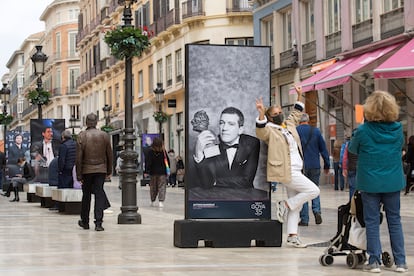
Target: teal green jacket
[{"x": 379, "y": 149}]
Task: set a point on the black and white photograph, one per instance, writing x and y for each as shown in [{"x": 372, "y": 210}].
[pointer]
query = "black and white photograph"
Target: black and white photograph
[{"x": 226, "y": 162}]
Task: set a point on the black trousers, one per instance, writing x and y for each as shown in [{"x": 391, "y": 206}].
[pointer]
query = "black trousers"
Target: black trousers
[{"x": 93, "y": 184}]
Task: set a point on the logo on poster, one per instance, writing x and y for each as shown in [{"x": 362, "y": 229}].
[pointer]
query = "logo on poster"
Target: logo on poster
[{"x": 258, "y": 207}]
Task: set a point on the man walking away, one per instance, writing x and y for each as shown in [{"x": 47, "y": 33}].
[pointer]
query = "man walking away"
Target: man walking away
[{"x": 313, "y": 145}]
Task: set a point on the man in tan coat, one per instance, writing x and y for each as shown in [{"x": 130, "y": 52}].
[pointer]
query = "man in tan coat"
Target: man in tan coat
[
  {"x": 93, "y": 165},
  {"x": 285, "y": 162}
]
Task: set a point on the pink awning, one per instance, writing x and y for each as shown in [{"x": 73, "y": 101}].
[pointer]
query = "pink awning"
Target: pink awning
[
  {"x": 344, "y": 74},
  {"x": 399, "y": 65},
  {"x": 309, "y": 83}
]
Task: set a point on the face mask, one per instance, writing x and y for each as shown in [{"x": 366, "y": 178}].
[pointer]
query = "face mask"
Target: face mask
[{"x": 278, "y": 119}]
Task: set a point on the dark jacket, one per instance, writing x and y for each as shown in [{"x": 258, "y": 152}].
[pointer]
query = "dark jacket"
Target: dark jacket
[
  {"x": 313, "y": 145},
  {"x": 28, "y": 172},
  {"x": 154, "y": 163},
  {"x": 93, "y": 153},
  {"x": 14, "y": 153},
  {"x": 67, "y": 156},
  {"x": 53, "y": 172}
]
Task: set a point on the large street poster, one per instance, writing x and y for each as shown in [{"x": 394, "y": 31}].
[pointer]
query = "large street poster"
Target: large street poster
[
  {"x": 46, "y": 138},
  {"x": 226, "y": 163}
]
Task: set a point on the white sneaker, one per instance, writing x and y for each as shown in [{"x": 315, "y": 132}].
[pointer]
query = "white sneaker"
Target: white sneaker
[
  {"x": 401, "y": 268},
  {"x": 152, "y": 204},
  {"x": 281, "y": 211},
  {"x": 296, "y": 242},
  {"x": 161, "y": 205},
  {"x": 373, "y": 268},
  {"x": 108, "y": 211}
]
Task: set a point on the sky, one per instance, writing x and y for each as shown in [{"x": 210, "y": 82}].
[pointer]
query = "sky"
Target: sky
[{"x": 18, "y": 20}]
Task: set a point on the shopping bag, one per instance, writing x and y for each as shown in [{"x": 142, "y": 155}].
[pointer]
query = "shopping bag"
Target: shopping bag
[{"x": 357, "y": 234}]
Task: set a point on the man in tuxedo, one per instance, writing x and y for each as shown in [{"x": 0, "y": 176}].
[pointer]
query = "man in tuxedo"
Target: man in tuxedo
[{"x": 233, "y": 162}]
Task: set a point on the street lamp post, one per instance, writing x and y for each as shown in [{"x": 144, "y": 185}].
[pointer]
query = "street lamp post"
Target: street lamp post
[
  {"x": 159, "y": 99},
  {"x": 72, "y": 124},
  {"x": 106, "y": 109},
  {"x": 129, "y": 209},
  {"x": 5, "y": 93},
  {"x": 39, "y": 60}
]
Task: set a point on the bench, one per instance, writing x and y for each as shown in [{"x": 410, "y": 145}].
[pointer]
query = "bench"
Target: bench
[
  {"x": 69, "y": 200},
  {"x": 45, "y": 195},
  {"x": 30, "y": 190}
]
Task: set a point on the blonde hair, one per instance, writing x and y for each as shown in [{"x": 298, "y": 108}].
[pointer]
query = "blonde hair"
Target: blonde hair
[{"x": 381, "y": 106}]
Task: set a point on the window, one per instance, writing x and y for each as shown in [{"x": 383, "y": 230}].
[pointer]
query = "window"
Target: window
[
  {"x": 178, "y": 65},
  {"x": 58, "y": 82},
  {"x": 334, "y": 16},
  {"x": 390, "y": 5},
  {"x": 74, "y": 111},
  {"x": 159, "y": 71},
  {"x": 140, "y": 84},
  {"x": 73, "y": 76},
  {"x": 110, "y": 95},
  {"x": 142, "y": 16},
  {"x": 287, "y": 30},
  {"x": 168, "y": 69},
  {"x": 310, "y": 21},
  {"x": 117, "y": 96},
  {"x": 72, "y": 44},
  {"x": 151, "y": 77},
  {"x": 58, "y": 46},
  {"x": 363, "y": 10},
  {"x": 267, "y": 25},
  {"x": 239, "y": 41},
  {"x": 73, "y": 14}
]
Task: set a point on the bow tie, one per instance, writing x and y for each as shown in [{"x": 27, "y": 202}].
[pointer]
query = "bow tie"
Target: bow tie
[{"x": 236, "y": 146}]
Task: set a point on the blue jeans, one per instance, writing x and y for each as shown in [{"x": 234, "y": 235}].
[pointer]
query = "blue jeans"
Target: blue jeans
[
  {"x": 371, "y": 205},
  {"x": 313, "y": 175},
  {"x": 338, "y": 176},
  {"x": 351, "y": 183}
]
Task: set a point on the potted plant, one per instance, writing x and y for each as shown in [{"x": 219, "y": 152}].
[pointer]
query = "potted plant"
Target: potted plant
[
  {"x": 160, "y": 116},
  {"x": 107, "y": 128},
  {"x": 5, "y": 119},
  {"x": 127, "y": 41},
  {"x": 39, "y": 97}
]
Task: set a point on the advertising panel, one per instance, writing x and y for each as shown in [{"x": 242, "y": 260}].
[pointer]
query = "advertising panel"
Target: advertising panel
[{"x": 226, "y": 164}]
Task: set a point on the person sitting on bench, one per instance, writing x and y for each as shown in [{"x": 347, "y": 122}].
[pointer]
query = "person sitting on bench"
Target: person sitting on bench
[{"x": 26, "y": 174}]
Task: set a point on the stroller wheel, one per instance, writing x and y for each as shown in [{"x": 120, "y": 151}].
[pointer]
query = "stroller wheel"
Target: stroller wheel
[
  {"x": 352, "y": 260},
  {"x": 326, "y": 260},
  {"x": 387, "y": 259},
  {"x": 361, "y": 258}
]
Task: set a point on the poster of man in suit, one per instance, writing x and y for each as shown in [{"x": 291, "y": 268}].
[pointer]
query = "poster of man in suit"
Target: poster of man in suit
[
  {"x": 226, "y": 172},
  {"x": 46, "y": 138},
  {"x": 17, "y": 146}
]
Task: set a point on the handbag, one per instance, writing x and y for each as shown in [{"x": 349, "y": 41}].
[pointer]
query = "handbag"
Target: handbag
[
  {"x": 357, "y": 234},
  {"x": 167, "y": 167}
]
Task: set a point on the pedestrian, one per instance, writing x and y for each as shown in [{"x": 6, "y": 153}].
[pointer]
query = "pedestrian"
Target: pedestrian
[
  {"x": 409, "y": 159},
  {"x": 313, "y": 146},
  {"x": 25, "y": 174},
  {"x": 284, "y": 162},
  {"x": 119, "y": 161},
  {"x": 172, "y": 179},
  {"x": 93, "y": 165},
  {"x": 2, "y": 167},
  {"x": 156, "y": 164},
  {"x": 380, "y": 178},
  {"x": 349, "y": 162},
  {"x": 53, "y": 172},
  {"x": 180, "y": 171},
  {"x": 338, "y": 177}
]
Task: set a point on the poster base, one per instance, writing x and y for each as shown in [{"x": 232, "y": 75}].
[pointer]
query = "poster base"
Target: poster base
[{"x": 227, "y": 233}]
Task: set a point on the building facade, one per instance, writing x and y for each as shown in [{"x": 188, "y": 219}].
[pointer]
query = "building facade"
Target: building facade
[
  {"x": 171, "y": 24},
  {"x": 308, "y": 36}
]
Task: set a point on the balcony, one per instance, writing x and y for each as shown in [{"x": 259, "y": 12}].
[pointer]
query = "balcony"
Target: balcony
[
  {"x": 238, "y": 6},
  {"x": 309, "y": 52},
  {"x": 392, "y": 23},
  {"x": 286, "y": 58},
  {"x": 193, "y": 8},
  {"x": 362, "y": 33},
  {"x": 333, "y": 44}
]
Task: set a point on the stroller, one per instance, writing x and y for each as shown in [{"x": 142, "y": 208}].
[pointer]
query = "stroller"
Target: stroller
[{"x": 340, "y": 246}]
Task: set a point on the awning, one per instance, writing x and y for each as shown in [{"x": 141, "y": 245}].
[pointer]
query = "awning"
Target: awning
[
  {"x": 399, "y": 65},
  {"x": 344, "y": 74},
  {"x": 309, "y": 83}
]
